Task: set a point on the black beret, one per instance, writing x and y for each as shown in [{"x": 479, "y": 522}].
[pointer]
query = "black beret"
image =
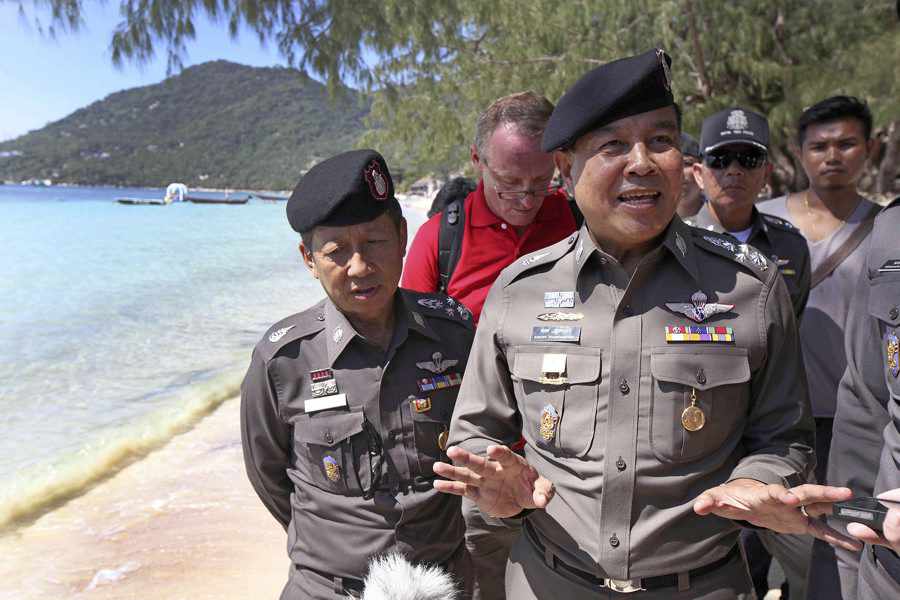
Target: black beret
[
  {"x": 346, "y": 189},
  {"x": 613, "y": 91},
  {"x": 689, "y": 145},
  {"x": 734, "y": 126}
]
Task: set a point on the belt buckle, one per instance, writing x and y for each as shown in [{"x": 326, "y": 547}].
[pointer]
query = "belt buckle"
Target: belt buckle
[{"x": 624, "y": 586}]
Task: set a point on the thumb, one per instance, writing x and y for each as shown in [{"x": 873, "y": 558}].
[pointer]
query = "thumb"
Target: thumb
[{"x": 705, "y": 503}]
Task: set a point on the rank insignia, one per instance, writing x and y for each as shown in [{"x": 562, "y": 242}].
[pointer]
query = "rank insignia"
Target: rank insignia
[
  {"x": 464, "y": 312},
  {"x": 560, "y": 316},
  {"x": 892, "y": 352},
  {"x": 332, "y": 468},
  {"x": 420, "y": 405},
  {"x": 559, "y": 299},
  {"x": 749, "y": 255},
  {"x": 699, "y": 309},
  {"x": 420, "y": 321},
  {"x": 891, "y": 266},
  {"x": 321, "y": 375},
  {"x": 679, "y": 243},
  {"x": 721, "y": 243},
  {"x": 533, "y": 259},
  {"x": 695, "y": 333},
  {"x": 432, "y": 303},
  {"x": 549, "y": 419},
  {"x": 578, "y": 253},
  {"x": 324, "y": 388},
  {"x": 338, "y": 334},
  {"x": 437, "y": 364},
  {"x": 277, "y": 335}
]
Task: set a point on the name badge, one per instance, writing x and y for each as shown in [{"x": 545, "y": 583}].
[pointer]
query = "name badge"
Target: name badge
[
  {"x": 324, "y": 403},
  {"x": 560, "y": 333},
  {"x": 890, "y": 266}
]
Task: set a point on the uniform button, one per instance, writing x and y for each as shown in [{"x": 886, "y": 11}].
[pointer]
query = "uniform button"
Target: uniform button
[
  {"x": 701, "y": 376},
  {"x": 623, "y": 386},
  {"x": 626, "y": 310},
  {"x": 603, "y": 260},
  {"x": 502, "y": 225},
  {"x": 320, "y": 317},
  {"x": 894, "y": 313},
  {"x": 329, "y": 438},
  {"x": 614, "y": 541},
  {"x": 620, "y": 464}
]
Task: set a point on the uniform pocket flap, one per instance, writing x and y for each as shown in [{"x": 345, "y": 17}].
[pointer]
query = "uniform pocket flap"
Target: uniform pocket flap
[
  {"x": 580, "y": 368},
  {"x": 329, "y": 429},
  {"x": 884, "y": 300},
  {"x": 700, "y": 369}
]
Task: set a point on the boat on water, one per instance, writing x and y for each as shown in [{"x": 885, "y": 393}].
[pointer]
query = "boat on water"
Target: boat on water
[
  {"x": 242, "y": 199},
  {"x": 141, "y": 202},
  {"x": 272, "y": 197}
]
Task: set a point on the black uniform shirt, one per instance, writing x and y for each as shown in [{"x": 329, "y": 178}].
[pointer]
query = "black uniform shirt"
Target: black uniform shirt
[
  {"x": 328, "y": 420},
  {"x": 780, "y": 241}
]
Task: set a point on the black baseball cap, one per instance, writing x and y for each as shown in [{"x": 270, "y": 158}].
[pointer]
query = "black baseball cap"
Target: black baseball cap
[
  {"x": 689, "y": 145},
  {"x": 346, "y": 189},
  {"x": 732, "y": 126}
]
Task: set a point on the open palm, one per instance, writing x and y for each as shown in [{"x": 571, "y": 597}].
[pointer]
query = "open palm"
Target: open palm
[{"x": 502, "y": 484}]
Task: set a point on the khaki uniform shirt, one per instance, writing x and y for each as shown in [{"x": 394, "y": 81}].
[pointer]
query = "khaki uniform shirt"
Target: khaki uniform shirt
[
  {"x": 604, "y": 422},
  {"x": 316, "y": 404},
  {"x": 780, "y": 241},
  {"x": 865, "y": 449}
]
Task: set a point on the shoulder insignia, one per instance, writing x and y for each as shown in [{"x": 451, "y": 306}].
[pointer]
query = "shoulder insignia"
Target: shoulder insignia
[
  {"x": 437, "y": 305},
  {"x": 779, "y": 222},
  {"x": 292, "y": 328},
  {"x": 729, "y": 247},
  {"x": 546, "y": 256}
]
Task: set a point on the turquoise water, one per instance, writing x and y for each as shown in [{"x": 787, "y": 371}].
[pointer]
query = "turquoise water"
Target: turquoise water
[{"x": 122, "y": 325}]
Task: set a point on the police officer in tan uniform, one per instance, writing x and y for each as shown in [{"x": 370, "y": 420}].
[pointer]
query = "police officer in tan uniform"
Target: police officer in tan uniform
[
  {"x": 653, "y": 369},
  {"x": 865, "y": 449},
  {"x": 732, "y": 172},
  {"x": 346, "y": 405}
]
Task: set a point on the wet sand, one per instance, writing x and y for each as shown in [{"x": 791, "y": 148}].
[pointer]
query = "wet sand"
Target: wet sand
[{"x": 183, "y": 523}]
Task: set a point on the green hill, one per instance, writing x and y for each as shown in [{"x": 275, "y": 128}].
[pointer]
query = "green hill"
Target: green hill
[{"x": 218, "y": 124}]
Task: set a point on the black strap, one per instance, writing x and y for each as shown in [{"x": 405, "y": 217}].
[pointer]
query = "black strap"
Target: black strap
[
  {"x": 832, "y": 262},
  {"x": 450, "y": 235},
  {"x": 889, "y": 561}
]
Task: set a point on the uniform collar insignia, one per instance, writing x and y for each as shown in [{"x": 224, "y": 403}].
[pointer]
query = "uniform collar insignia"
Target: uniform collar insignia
[
  {"x": 699, "y": 309},
  {"x": 438, "y": 364},
  {"x": 280, "y": 333},
  {"x": 749, "y": 255},
  {"x": 533, "y": 259},
  {"x": 338, "y": 334},
  {"x": 679, "y": 243}
]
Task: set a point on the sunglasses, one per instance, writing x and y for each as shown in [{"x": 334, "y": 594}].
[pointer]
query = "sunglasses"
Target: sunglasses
[{"x": 748, "y": 159}]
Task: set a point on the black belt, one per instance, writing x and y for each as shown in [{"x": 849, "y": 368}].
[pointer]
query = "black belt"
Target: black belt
[
  {"x": 633, "y": 585},
  {"x": 888, "y": 560}
]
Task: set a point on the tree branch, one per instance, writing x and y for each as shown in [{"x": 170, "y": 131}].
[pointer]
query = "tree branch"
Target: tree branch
[{"x": 702, "y": 77}]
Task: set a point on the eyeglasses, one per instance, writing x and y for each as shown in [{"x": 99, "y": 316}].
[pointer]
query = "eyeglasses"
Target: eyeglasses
[
  {"x": 516, "y": 195},
  {"x": 748, "y": 159}
]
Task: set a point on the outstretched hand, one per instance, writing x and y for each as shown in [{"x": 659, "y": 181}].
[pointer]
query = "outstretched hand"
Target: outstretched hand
[
  {"x": 502, "y": 484},
  {"x": 778, "y": 508}
]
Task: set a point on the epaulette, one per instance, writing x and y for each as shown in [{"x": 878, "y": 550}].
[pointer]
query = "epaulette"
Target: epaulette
[
  {"x": 438, "y": 305},
  {"x": 743, "y": 254},
  {"x": 780, "y": 223},
  {"x": 545, "y": 256},
  {"x": 292, "y": 328}
]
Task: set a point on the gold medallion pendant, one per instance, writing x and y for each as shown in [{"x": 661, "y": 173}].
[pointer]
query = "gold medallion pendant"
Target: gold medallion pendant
[{"x": 693, "y": 417}]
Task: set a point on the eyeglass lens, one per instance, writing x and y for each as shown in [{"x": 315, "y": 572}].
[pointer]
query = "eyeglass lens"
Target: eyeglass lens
[{"x": 748, "y": 160}]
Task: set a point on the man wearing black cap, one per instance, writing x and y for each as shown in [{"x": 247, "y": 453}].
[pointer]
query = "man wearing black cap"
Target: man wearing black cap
[
  {"x": 734, "y": 170},
  {"x": 691, "y": 200},
  {"x": 346, "y": 406},
  {"x": 652, "y": 368}
]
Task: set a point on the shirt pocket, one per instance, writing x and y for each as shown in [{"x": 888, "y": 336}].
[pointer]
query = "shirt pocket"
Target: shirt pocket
[
  {"x": 718, "y": 378},
  {"x": 332, "y": 451},
  {"x": 884, "y": 305},
  {"x": 558, "y": 416},
  {"x": 429, "y": 427}
]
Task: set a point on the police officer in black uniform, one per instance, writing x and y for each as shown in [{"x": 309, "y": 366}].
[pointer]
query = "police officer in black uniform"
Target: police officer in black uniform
[{"x": 346, "y": 405}]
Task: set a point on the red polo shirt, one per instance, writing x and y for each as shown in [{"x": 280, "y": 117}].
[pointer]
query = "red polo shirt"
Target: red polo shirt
[{"x": 489, "y": 245}]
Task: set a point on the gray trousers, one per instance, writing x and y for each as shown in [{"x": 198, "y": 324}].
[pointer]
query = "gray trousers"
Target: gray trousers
[
  {"x": 488, "y": 541},
  {"x": 874, "y": 582},
  {"x": 793, "y": 552},
  {"x": 528, "y": 577}
]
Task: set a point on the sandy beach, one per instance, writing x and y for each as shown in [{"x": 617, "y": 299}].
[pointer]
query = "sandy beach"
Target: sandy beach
[{"x": 183, "y": 523}]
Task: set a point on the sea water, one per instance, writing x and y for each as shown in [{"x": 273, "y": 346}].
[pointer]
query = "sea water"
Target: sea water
[{"x": 121, "y": 326}]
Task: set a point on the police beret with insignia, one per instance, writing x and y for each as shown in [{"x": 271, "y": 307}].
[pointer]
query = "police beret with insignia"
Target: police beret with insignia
[
  {"x": 734, "y": 126},
  {"x": 689, "y": 145},
  {"x": 613, "y": 91},
  {"x": 346, "y": 189}
]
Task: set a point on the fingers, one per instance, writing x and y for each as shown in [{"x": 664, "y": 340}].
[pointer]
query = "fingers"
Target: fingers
[
  {"x": 810, "y": 493},
  {"x": 705, "y": 503},
  {"x": 893, "y": 495},
  {"x": 866, "y": 534},
  {"x": 455, "y": 487},
  {"x": 462, "y": 475},
  {"x": 506, "y": 457},
  {"x": 478, "y": 465},
  {"x": 819, "y": 509},
  {"x": 825, "y": 533}
]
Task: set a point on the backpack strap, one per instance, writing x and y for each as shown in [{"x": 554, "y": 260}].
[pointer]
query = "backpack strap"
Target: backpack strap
[{"x": 450, "y": 236}]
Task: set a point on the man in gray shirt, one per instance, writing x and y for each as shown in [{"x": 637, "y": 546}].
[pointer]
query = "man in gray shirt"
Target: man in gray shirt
[{"x": 834, "y": 139}]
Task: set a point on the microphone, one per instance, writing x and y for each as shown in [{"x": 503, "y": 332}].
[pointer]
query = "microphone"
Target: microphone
[{"x": 392, "y": 577}]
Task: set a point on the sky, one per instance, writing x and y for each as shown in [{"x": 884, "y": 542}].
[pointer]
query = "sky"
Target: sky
[{"x": 43, "y": 80}]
